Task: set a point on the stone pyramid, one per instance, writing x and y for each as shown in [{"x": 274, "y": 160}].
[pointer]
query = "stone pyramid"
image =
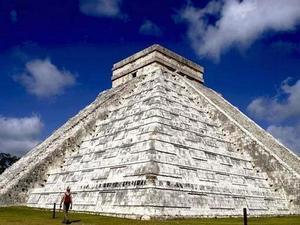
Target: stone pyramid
[{"x": 160, "y": 144}]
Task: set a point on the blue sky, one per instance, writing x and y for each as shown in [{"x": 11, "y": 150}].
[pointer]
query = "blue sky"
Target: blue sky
[{"x": 57, "y": 55}]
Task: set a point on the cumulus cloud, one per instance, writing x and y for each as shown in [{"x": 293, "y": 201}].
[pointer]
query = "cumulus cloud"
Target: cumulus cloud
[
  {"x": 150, "y": 28},
  {"x": 229, "y": 23},
  {"x": 288, "y": 135},
  {"x": 285, "y": 105},
  {"x": 18, "y": 135},
  {"x": 43, "y": 79},
  {"x": 101, "y": 8},
  {"x": 282, "y": 113}
]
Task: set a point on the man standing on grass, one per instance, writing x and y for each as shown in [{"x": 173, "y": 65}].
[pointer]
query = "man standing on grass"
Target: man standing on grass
[{"x": 67, "y": 200}]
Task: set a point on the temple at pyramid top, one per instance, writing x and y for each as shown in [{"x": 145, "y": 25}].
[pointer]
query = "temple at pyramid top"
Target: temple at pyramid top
[{"x": 135, "y": 65}]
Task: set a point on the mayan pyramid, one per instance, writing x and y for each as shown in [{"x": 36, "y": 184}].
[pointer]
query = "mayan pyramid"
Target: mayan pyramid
[{"x": 161, "y": 144}]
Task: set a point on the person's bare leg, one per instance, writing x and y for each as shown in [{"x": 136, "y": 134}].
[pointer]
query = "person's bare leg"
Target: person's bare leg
[{"x": 65, "y": 216}]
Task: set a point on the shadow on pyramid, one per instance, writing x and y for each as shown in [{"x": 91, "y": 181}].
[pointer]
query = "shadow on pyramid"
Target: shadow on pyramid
[{"x": 159, "y": 144}]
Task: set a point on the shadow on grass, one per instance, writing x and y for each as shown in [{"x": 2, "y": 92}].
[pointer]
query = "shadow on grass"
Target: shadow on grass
[{"x": 74, "y": 221}]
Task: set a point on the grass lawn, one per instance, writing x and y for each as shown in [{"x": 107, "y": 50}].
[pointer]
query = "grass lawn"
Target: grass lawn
[{"x": 29, "y": 216}]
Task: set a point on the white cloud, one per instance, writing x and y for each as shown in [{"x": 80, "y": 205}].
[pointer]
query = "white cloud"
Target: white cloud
[
  {"x": 18, "y": 135},
  {"x": 237, "y": 23},
  {"x": 285, "y": 105},
  {"x": 282, "y": 114},
  {"x": 288, "y": 135},
  {"x": 43, "y": 79},
  {"x": 101, "y": 8},
  {"x": 150, "y": 28}
]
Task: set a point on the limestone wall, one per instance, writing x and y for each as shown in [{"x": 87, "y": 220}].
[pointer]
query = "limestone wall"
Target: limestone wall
[
  {"x": 268, "y": 155},
  {"x": 30, "y": 171},
  {"x": 123, "y": 70},
  {"x": 156, "y": 146},
  {"x": 161, "y": 152}
]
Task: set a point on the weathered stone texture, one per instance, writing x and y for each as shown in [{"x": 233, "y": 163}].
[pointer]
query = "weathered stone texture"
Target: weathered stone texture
[
  {"x": 155, "y": 54},
  {"x": 159, "y": 145}
]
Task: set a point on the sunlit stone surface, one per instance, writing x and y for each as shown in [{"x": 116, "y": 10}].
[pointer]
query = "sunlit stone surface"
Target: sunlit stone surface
[{"x": 159, "y": 144}]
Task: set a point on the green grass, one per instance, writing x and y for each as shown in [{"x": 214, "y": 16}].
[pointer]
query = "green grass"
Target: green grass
[{"x": 29, "y": 216}]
